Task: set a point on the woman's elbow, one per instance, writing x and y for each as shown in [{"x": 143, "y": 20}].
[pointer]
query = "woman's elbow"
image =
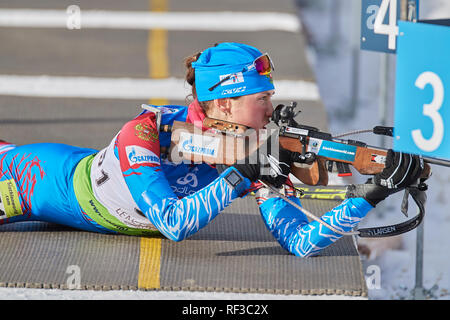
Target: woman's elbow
[
  {"x": 175, "y": 235},
  {"x": 178, "y": 237}
]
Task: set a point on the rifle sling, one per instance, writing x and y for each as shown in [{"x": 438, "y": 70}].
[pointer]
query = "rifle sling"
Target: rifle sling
[{"x": 396, "y": 229}]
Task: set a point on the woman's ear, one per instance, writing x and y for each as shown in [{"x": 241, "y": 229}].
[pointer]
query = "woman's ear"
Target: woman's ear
[{"x": 223, "y": 105}]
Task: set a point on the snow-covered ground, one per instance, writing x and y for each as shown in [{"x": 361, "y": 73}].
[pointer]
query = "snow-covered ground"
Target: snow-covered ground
[
  {"x": 57, "y": 294},
  {"x": 331, "y": 25}
]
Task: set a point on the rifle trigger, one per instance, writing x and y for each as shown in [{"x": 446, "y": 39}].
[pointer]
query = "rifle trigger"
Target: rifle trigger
[
  {"x": 303, "y": 142},
  {"x": 404, "y": 206}
]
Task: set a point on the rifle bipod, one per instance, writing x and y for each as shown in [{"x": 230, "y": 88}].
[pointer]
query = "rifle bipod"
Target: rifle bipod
[{"x": 417, "y": 193}]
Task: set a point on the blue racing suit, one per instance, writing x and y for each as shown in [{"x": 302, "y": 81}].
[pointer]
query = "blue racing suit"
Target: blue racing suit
[{"x": 129, "y": 187}]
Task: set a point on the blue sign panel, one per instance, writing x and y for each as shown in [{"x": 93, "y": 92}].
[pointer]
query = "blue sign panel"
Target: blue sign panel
[
  {"x": 379, "y": 23},
  {"x": 422, "y": 102},
  {"x": 369, "y": 39}
]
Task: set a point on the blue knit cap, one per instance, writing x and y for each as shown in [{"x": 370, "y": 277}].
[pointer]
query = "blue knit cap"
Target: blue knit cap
[{"x": 229, "y": 59}]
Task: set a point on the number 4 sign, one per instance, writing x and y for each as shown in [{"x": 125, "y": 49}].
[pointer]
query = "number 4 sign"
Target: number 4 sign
[
  {"x": 422, "y": 102},
  {"x": 390, "y": 29},
  {"x": 379, "y": 29}
]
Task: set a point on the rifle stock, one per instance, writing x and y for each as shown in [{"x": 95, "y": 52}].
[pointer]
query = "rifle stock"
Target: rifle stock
[
  {"x": 192, "y": 144},
  {"x": 315, "y": 174}
]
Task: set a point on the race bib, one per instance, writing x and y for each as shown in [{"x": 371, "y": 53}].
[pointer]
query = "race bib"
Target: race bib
[{"x": 9, "y": 200}]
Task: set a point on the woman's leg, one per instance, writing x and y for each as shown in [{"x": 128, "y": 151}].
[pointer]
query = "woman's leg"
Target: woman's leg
[{"x": 39, "y": 176}]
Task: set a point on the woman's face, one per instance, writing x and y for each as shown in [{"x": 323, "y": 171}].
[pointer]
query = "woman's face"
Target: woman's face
[{"x": 252, "y": 110}]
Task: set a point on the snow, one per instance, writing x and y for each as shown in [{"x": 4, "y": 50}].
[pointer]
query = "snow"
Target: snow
[
  {"x": 332, "y": 58},
  {"x": 58, "y": 294}
]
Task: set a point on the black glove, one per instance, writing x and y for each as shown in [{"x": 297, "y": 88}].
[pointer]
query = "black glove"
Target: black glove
[
  {"x": 401, "y": 171},
  {"x": 270, "y": 167},
  {"x": 250, "y": 171},
  {"x": 371, "y": 192},
  {"x": 275, "y": 169}
]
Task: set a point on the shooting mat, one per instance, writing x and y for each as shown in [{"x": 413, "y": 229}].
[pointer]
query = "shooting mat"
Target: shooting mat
[{"x": 234, "y": 253}]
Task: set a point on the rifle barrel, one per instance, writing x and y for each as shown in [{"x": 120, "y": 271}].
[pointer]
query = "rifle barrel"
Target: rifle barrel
[
  {"x": 440, "y": 162},
  {"x": 437, "y": 161}
]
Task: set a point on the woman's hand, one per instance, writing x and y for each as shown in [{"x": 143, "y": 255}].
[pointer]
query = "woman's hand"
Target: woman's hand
[
  {"x": 270, "y": 167},
  {"x": 401, "y": 171}
]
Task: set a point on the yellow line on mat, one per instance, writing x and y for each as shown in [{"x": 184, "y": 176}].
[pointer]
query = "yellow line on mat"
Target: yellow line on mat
[
  {"x": 150, "y": 249},
  {"x": 157, "y": 50},
  {"x": 149, "y": 263}
]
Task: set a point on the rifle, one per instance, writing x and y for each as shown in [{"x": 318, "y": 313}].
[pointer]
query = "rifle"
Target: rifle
[
  {"x": 227, "y": 143},
  {"x": 367, "y": 160}
]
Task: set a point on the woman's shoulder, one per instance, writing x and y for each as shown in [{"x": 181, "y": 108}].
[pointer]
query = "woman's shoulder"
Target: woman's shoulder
[{"x": 168, "y": 113}]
